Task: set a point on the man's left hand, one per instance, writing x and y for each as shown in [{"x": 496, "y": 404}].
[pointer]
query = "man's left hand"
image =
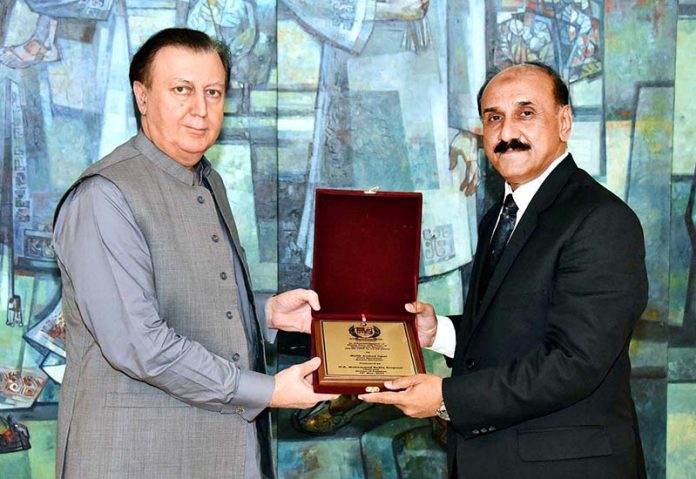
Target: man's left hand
[
  {"x": 292, "y": 310},
  {"x": 417, "y": 396}
]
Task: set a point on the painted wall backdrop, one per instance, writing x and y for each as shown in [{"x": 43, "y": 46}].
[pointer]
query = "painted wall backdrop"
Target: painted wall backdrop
[{"x": 347, "y": 94}]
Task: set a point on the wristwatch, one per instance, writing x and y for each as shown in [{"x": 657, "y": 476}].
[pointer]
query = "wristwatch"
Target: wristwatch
[{"x": 442, "y": 412}]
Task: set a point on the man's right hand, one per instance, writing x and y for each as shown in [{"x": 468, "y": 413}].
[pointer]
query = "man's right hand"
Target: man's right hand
[
  {"x": 293, "y": 387},
  {"x": 426, "y": 322}
]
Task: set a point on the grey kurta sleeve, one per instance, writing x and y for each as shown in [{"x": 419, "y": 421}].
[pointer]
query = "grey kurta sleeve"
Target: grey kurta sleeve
[{"x": 107, "y": 258}]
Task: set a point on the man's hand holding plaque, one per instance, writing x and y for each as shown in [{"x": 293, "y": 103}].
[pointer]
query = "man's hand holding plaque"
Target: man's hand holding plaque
[
  {"x": 419, "y": 395},
  {"x": 291, "y": 310},
  {"x": 426, "y": 322}
]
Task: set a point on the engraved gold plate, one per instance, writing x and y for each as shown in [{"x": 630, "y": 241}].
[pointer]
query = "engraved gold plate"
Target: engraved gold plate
[{"x": 365, "y": 354}]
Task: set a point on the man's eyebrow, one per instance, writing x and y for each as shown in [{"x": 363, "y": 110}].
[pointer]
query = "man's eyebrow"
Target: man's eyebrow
[
  {"x": 184, "y": 80},
  {"x": 522, "y": 103}
]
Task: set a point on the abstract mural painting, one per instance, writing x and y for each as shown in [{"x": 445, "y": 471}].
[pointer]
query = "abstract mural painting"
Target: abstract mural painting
[{"x": 352, "y": 94}]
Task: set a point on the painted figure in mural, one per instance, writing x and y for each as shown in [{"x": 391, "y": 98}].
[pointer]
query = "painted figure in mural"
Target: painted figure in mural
[
  {"x": 158, "y": 302},
  {"x": 395, "y": 109},
  {"x": 564, "y": 33},
  {"x": 238, "y": 24},
  {"x": 540, "y": 385},
  {"x": 41, "y": 46},
  {"x": 382, "y": 116}
]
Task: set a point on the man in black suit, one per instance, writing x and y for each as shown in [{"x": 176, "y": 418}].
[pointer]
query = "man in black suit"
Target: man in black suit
[{"x": 540, "y": 380}]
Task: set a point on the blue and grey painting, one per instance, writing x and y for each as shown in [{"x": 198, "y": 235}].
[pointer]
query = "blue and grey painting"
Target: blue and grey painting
[{"x": 352, "y": 94}]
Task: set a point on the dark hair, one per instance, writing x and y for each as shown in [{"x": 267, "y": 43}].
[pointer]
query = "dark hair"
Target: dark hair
[
  {"x": 560, "y": 90},
  {"x": 194, "y": 40}
]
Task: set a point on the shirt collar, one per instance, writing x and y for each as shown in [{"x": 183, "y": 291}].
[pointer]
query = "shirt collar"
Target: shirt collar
[
  {"x": 168, "y": 165},
  {"x": 202, "y": 170},
  {"x": 524, "y": 193}
]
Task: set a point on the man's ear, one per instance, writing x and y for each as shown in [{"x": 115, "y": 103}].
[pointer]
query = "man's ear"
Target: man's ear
[
  {"x": 566, "y": 121},
  {"x": 140, "y": 92}
]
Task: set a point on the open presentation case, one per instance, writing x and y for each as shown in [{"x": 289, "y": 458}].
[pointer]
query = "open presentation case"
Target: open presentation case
[{"x": 366, "y": 257}]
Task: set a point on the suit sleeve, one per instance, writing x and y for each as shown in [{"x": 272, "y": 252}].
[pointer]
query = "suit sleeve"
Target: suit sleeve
[
  {"x": 599, "y": 292},
  {"x": 108, "y": 260}
]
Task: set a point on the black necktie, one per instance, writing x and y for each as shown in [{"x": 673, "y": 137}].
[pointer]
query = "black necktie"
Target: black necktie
[{"x": 501, "y": 236}]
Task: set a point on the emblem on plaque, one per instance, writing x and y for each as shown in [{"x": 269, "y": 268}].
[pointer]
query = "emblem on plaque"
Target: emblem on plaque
[{"x": 364, "y": 331}]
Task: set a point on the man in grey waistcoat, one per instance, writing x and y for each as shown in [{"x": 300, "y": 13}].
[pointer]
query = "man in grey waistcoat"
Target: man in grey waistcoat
[{"x": 165, "y": 373}]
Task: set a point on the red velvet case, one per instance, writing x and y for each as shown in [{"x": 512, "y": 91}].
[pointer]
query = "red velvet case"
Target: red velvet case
[{"x": 366, "y": 257}]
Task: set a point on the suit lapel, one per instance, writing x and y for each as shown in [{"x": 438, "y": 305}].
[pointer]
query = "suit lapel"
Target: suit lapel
[
  {"x": 485, "y": 232},
  {"x": 519, "y": 237},
  {"x": 543, "y": 198}
]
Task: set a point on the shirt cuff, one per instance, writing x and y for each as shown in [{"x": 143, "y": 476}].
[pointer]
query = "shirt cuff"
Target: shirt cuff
[
  {"x": 445, "y": 338},
  {"x": 254, "y": 392}
]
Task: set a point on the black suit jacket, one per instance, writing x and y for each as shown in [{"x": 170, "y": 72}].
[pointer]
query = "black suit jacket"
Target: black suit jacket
[{"x": 540, "y": 381}]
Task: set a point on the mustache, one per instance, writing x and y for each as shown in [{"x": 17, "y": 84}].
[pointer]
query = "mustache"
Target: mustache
[{"x": 513, "y": 144}]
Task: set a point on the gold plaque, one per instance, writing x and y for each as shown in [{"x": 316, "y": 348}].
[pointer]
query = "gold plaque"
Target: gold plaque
[{"x": 364, "y": 354}]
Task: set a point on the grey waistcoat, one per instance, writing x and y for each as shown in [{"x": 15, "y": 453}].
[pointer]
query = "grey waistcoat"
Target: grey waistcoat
[{"x": 111, "y": 425}]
